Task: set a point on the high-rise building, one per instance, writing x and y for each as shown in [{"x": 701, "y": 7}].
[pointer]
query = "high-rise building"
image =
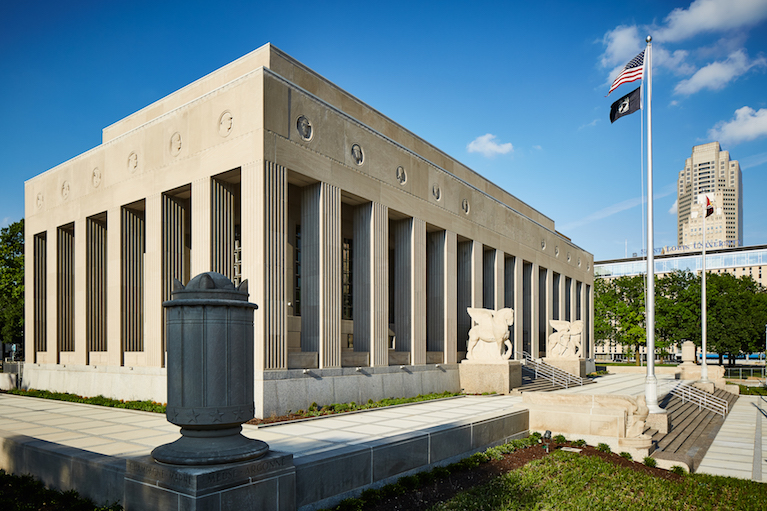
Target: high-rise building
[{"x": 710, "y": 172}]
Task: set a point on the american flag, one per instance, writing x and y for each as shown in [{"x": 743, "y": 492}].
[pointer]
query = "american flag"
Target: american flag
[{"x": 631, "y": 72}]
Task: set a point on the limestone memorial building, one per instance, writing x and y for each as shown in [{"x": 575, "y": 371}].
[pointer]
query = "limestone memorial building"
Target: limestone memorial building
[{"x": 362, "y": 244}]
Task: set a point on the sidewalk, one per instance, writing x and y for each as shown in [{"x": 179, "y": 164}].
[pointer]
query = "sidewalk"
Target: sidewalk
[{"x": 738, "y": 450}]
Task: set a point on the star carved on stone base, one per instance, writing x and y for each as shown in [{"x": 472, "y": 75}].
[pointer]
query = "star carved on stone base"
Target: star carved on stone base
[
  {"x": 238, "y": 414},
  {"x": 193, "y": 416},
  {"x": 217, "y": 416},
  {"x": 175, "y": 415}
]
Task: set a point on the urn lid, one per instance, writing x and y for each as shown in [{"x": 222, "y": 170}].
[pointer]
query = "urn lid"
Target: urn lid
[{"x": 210, "y": 285}]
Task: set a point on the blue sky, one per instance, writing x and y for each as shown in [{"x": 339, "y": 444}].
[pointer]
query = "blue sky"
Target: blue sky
[{"x": 515, "y": 90}]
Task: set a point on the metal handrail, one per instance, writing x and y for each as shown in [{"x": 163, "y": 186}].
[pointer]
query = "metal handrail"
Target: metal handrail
[
  {"x": 551, "y": 373},
  {"x": 700, "y": 397}
]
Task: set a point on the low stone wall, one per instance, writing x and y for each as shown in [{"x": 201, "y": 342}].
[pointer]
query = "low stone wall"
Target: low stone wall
[
  {"x": 128, "y": 383},
  {"x": 8, "y": 381},
  {"x": 277, "y": 392},
  {"x": 613, "y": 419},
  {"x": 640, "y": 370},
  {"x": 324, "y": 479}
]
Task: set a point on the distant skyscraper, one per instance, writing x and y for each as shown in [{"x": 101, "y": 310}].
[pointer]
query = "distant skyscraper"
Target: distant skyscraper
[{"x": 711, "y": 172}]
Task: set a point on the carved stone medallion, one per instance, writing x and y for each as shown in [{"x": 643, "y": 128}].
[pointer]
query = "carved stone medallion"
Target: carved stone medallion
[
  {"x": 96, "y": 177},
  {"x": 465, "y": 206},
  {"x": 175, "y": 144},
  {"x": 304, "y": 127},
  {"x": 40, "y": 201},
  {"x": 357, "y": 155},
  {"x": 543, "y": 244},
  {"x": 579, "y": 262},
  {"x": 132, "y": 162},
  {"x": 556, "y": 250},
  {"x": 401, "y": 175},
  {"x": 225, "y": 123},
  {"x": 568, "y": 257},
  {"x": 65, "y": 190},
  {"x": 436, "y": 192}
]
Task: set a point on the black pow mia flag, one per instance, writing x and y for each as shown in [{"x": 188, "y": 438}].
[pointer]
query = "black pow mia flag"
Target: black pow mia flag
[{"x": 628, "y": 104}]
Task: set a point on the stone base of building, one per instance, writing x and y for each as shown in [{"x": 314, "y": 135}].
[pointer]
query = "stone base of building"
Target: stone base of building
[
  {"x": 575, "y": 366},
  {"x": 482, "y": 377},
  {"x": 118, "y": 382},
  {"x": 266, "y": 483}
]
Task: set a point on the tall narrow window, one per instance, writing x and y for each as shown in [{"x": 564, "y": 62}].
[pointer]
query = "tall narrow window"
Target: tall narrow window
[
  {"x": 96, "y": 275},
  {"x": 133, "y": 247},
  {"x": 176, "y": 242},
  {"x": 346, "y": 279},
  {"x": 41, "y": 292},
  {"x": 297, "y": 300},
  {"x": 65, "y": 295}
]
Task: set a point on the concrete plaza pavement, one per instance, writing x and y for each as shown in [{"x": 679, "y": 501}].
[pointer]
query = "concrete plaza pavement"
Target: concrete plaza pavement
[{"x": 739, "y": 449}]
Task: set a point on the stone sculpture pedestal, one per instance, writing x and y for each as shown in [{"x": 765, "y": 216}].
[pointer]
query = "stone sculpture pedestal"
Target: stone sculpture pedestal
[
  {"x": 483, "y": 376},
  {"x": 266, "y": 483},
  {"x": 576, "y": 366}
]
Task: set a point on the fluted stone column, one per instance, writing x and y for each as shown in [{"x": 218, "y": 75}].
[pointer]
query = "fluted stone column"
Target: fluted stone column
[
  {"x": 321, "y": 250},
  {"x": 469, "y": 286},
  {"x": 201, "y": 226},
  {"x": 410, "y": 288},
  {"x": 114, "y": 287},
  {"x": 441, "y": 313},
  {"x": 80, "y": 292},
  {"x": 514, "y": 268},
  {"x": 590, "y": 328},
  {"x": 549, "y": 305},
  {"x": 561, "y": 304},
  {"x": 371, "y": 282},
  {"x": 153, "y": 312},
  {"x": 535, "y": 310},
  {"x": 499, "y": 301}
]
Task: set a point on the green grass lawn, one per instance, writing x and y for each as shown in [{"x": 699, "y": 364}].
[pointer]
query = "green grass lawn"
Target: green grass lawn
[{"x": 570, "y": 481}]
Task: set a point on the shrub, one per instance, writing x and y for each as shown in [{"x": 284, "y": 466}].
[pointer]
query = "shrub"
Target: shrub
[
  {"x": 650, "y": 461},
  {"x": 602, "y": 447},
  {"x": 626, "y": 455},
  {"x": 535, "y": 437},
  {"x": 679, "y": 470},
  {"x": 560, "y": 439},
  {"x": 579, "y": 443}
]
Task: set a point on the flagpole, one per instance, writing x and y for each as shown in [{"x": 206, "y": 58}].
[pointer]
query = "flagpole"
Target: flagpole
[
  {"x": 651, "y": 383},
  {"x": 703, "y": 364}
]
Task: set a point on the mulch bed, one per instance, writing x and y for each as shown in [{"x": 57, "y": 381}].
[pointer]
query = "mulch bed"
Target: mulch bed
[{"x": 446, "y": 488}]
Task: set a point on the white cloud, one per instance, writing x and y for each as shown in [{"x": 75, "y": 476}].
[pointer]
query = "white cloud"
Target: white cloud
[
  {"x": 616, "y": 208},
  {"x": 717, "y": 75},
  {"x": 622, "y": 44},
  {"x": 711, "y": 16},
  {"x": 6, "y": 222},
  {"x": 674, "y": 103},
  {"x": 488, "y": 147},
  {"x": 537, "y": 148},
  {"x": 748, "y": 124},
  {"x": 753, "y": 161},
  {"x": 673, "y": 209},
  {"x": 588, "y": 124}
]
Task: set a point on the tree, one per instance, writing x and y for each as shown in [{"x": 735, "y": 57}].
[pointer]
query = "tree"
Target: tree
[
  {"x": 605, "y": 296},
  {"x": 12, "y": 282},
  {"x": 737, "y": 314},
  {"x": 677, "y": 308}
]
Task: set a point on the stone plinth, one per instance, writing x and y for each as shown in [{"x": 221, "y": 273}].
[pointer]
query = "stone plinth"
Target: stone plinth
[
  {"x": 266, "y": 483},
  {"x": 498, "y": 377},
  {"x": 576, "y": 366}
]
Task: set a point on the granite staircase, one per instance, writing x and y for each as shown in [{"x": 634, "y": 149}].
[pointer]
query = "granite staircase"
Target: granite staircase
[
  {"x": 533, "y": 381},
  {"x": 692, "y": 428}
]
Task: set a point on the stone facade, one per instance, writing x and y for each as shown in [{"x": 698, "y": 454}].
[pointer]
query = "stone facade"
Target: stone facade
[{"x": 363, "y": 245}]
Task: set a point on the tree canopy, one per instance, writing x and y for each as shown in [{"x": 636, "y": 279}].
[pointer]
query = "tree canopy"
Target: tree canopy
[
  {"x": 736, "y": 312},
  {"x": 12, "y": 282}
]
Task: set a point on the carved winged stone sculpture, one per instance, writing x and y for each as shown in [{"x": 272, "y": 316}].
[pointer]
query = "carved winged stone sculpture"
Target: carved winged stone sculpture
[
  {"x": 566, "y": 341},
  {"x": 491, "y": 327}
]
